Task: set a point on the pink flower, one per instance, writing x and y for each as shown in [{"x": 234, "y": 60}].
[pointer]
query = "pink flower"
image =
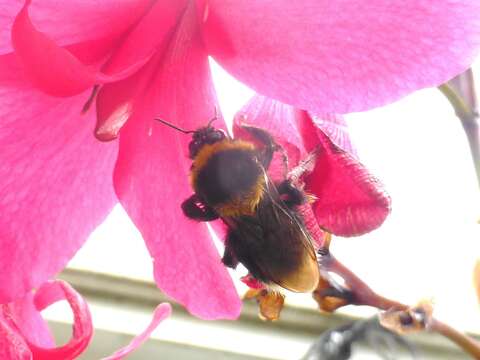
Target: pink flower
[
  {"x": 150, "y": 60},
  {"x": 24, "y": 334},
  {"x": 349, "y": 200}
]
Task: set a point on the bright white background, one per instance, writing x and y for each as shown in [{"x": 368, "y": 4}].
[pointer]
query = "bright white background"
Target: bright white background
[{"x": 427, "y": 247}]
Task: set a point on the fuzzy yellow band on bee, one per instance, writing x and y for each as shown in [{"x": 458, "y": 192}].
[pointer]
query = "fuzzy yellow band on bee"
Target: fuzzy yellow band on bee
[{"x": 243, "y": 203}]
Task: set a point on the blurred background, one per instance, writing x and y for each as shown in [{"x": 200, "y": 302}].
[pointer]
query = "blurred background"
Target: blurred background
[{"x": 426, "y": 249}]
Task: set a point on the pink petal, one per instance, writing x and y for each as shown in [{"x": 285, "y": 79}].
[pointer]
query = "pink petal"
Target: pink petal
[
  {"x": 335, "y": 127},
  {"x": 28, "y": 321},
  {"x": 344, "y": 55},
  {"x": 115, "y": 104},
  {"x": 25, "y": 335},
  {"x": 311, "y": 224},
  {"x": 350, "y": 201},
  {"x": 18, "y": 318},
  {"x": 280, "y": 121},
  {"x": 161, "y": 312},
  {"x": 11, "y": 72},
  {"x": 151, "y": 177},
  {"x": 82, "y": 332},
  {"x": 141, "y": 44},
  {"x": 115, "y": 101},
  {"x": 55, "y": 185},
  {"x": 12, "y": 344},
  {"x": 56, "y": 70},
  {"x": 73, "y": 21}
]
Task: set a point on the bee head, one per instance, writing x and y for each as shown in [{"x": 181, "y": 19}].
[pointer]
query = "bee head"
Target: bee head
[{"x": 204, "y": 136}]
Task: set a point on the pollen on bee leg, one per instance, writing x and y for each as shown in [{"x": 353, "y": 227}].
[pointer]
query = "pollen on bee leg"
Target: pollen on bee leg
[
  {"x": 270, "y": 303},
  {"x": 329, "y": 298}
]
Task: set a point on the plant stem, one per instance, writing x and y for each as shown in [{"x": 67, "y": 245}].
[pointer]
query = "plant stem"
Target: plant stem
[
  {"x": 364, "y": 295},
  {"x": 460, "y": 92},
  {"x": 468, "y": 344}
]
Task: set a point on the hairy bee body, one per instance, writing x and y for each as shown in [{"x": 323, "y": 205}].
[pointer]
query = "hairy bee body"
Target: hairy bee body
[
  {"x": 265, "y": 232},
  {"x": 229, "y": 177}
]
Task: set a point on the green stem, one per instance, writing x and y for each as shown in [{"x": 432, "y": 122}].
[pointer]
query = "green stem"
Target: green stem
[
  {"x": 460, "y": 92},
  {"x": 472, "y": 130},
  {"x": 462, "y": 110}
]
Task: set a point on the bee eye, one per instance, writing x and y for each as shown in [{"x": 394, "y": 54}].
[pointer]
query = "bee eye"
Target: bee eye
[
  {"x": 216, "y": 136},
  {"x": 219, "y": 135},
  {"x": 193, "y": 148}
]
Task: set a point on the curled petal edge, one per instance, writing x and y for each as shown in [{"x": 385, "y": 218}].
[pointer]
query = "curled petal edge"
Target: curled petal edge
[
  {"x": 161, "y": 313},
  {"x": 52, "y": 68},
  {"x": 49, "y": 293},
  {"x": 350, "y": 200},
  {"x": 57, "y": 290}
]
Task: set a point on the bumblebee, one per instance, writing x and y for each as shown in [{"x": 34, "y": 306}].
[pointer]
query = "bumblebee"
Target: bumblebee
[{"x": 265, "y": 231}]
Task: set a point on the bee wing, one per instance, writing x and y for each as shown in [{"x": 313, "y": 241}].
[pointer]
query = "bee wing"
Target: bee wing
[
  {"x": 307, "y": 274},
  {"x": 275, "y": 245}
]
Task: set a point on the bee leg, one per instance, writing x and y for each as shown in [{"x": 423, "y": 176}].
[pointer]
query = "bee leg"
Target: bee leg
[
  {"x": 229, "y": 259},
  {"x": 290, "y": 195},
  {"x": 264, "y": 137},
  {"x": 195, "y": 209},
  {"x": 344, "y": 294}
]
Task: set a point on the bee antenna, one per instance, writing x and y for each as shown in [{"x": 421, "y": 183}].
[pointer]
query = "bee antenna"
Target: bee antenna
[
  {"x": 214, "y": 118},
  {"x": 175, "y": 127}
]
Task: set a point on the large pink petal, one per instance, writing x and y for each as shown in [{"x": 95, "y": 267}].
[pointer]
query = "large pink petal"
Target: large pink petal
[
  {"x": 161, "y": 313},
  {"x": 350, "y": 200},
  {"x": 344, "y": 55},
  {"x": 151, "y": 177},
  {"x": 56, "y": 70},
  {"x": 55, "y": 185},
  {"x": 82, "y": 332},
  {"x": 151, "y": 34},
  {"x": 11, "y": 72},
  {"x": 73, "y": 21}
]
